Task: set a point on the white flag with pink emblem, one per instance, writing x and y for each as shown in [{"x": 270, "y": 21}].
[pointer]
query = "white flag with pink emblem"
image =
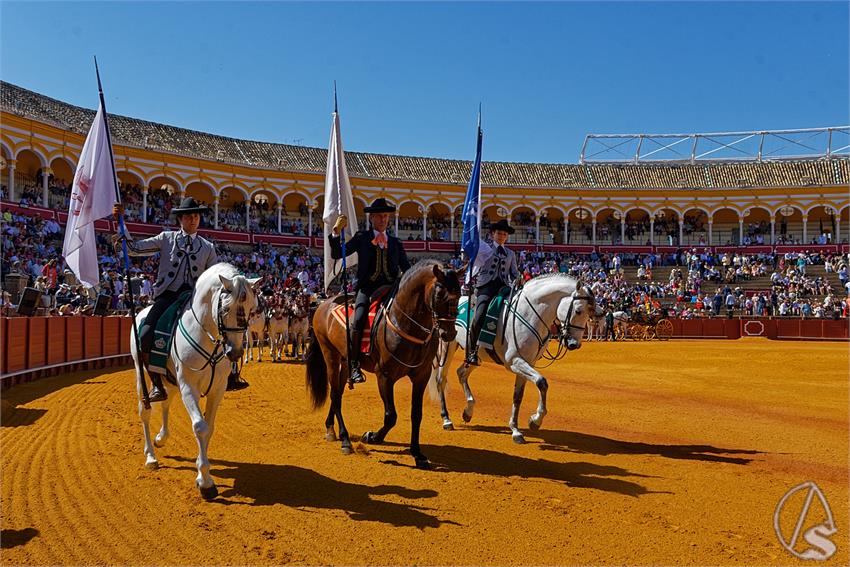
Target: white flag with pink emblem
[{"x": 92, "y": 198}]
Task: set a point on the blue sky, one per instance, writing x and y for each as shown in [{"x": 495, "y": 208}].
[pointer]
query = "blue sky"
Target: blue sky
[{"x": 411, "y": 75}]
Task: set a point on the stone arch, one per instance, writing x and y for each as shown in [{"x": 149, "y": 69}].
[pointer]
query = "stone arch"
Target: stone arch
[
  {"x": 523, "y": 218},
  {"x": 63, "y": 170},
  {"x": 552, "y": 218},
  {"x": 638, "y": 224},
  {"x": 439, "y": 221},
  {"x": 409, "y": 219},
  {"x": 580, "y": 224},
  {"x": 695, "y": 223},
  {"x": 27, "y": 165},
  {"x": 789, "y": 223},
  {"x": 665, "y": 225},
  {"x": 820, "y": 224},
  {"x": 37, "y": 151},
  {"x": 608, "y": 224}
]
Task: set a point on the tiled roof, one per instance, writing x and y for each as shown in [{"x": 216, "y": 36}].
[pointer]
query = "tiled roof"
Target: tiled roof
[{"x": 141, "y": 133}]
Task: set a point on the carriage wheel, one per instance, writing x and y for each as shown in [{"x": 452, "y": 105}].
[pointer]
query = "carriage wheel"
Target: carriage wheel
[
  {"x": 635, "y": 331},
  {"x": 664, "y": 330}
]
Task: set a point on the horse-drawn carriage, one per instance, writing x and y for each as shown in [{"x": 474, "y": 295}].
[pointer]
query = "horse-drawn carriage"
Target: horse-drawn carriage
[{"x": 643, "y": 326}]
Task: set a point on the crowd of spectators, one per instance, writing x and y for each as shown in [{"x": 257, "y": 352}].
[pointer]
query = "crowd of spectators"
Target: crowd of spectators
[{"x": 690, "y": 283}]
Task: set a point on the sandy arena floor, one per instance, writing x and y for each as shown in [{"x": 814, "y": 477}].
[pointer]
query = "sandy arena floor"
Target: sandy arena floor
[{"x": 652, "y": 453}]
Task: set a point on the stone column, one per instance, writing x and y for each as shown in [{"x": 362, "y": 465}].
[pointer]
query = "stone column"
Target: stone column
[
  {"x": 425, "y": 225},
  {"x": 805, "y": 229},
  {"x": 45, "y": 192},
  {"x": 652, "y": 231},
  {"x": 623, "y": 229},
  {"x": 740, "y": 232},
  {"x": 309, "y": 221},
  {"x": 681, "y": 231},
  {"x": 566, "y": 230},
  {"x": 396, "y": 223},
  {"x": 279, "y": 215},
  {"x": 537, "y": 229},
  {"x": 145, "y": 205},
  {"x": 11, "y": 164},
  {"x": 710, "y": 233},
  {"x": 837, "y": 236},
  {"x": 452, "y": 225},
  {"x": 593, "y": 234},
  {"x": 215, "y": 218},
  {"x": 248, "y": 216}
]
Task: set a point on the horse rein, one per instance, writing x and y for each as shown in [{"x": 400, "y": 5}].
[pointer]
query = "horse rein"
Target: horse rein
[{"x": 214, "y": 357}]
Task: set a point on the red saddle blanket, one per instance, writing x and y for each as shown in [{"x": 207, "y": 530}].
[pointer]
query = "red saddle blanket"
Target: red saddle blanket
[{"x": 366, "y": 339}]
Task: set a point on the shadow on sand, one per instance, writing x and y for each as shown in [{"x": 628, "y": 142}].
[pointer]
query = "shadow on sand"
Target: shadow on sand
[
  {"x": 14, "y": 538},
  {"x": 270, "y": 484},
  {"x": 574, "y": 442},
  {"x": 447, "y": 458}
]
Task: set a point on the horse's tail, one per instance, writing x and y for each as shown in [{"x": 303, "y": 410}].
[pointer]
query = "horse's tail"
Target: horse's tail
[{"x": 317, "y": 372}]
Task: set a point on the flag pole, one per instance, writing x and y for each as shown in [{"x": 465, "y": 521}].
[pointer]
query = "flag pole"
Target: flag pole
[
  {"x": 348, "y": 345},
  {"x": 470, "y": 264},
  {"x": 122, "y": 231}
]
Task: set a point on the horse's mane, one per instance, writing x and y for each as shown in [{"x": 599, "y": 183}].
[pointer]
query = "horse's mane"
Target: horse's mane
[
  {"x": 554, "y": 275},
  {"x": 210, "y": 277}
]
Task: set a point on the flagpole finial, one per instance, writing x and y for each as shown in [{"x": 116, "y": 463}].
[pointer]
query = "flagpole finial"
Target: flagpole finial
[
  {"x": 97, "y": 72},
  {"x": 335, "y": 104}
]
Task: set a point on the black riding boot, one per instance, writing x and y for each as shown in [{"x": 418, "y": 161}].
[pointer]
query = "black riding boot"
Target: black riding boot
[{"x": 357, "y": 376}]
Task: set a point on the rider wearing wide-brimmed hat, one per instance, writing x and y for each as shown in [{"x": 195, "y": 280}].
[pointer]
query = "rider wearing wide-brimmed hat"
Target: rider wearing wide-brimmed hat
[
  {"x": 495, "y": 267},
  {"x": 184, "y": 255},
  {"x": 381, "y": 260}
]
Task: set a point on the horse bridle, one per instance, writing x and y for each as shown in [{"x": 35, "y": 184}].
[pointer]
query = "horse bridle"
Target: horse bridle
[
  {"x": 403, "y": 334},
  {"x": 217, "y": 354}
]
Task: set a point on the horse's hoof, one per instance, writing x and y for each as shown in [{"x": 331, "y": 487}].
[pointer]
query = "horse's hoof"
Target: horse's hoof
[
  {"x": 533, "y": 425},
  {"x": 152, "y": 465},
  {"x": 466, "y": 417},
  {"x": 518, "y": 438},
  {"x": 330, "y": 436},
  {"x": 368, "y": 437},
  {"x": 346, "y": 450},
  {"x": 449, "y": 426},
  {"x": 423, "y": 463},
  {"x": 209, "y": 492}
]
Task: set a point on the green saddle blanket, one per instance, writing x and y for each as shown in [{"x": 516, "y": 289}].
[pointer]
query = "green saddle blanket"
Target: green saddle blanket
[
  {"x": 164, "y": 334},
  {"x": 491, "y": 321}
]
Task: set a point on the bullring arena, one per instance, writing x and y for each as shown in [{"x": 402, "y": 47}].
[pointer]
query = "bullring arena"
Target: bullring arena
[
  {"x": 678, "y": 463},
  {"x": 653, "y": 452}
]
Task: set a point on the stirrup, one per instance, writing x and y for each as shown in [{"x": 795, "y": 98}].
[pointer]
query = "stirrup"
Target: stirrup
[
  {"x": 234, "y": 382},
  {"x": 356, "y": 376},
  {"x": 157, "y": 393},
  {"x": 472, "y": 358}
]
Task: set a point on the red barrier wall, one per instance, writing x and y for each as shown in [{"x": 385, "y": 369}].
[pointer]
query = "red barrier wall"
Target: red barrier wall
[
  {"x": 36, "y": 342},
  {"x": 125, "y": 330},
  {"x": 92, "y": 346},
  {"x": 16, "y": 344},
  {"x": 74, "y": 338},
  {"x": 55, "y": 340},
  {"x": 110, "y": 331}
]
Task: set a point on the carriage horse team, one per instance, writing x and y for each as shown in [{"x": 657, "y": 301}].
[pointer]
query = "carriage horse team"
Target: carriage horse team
[{"x": 402, "y": 320}]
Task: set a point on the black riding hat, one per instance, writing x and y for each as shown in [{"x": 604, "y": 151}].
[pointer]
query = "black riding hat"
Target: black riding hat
[
  {"x": 379, "y": 205},
  {"x": 188, "y": 206},
  {"x": 502, "y": 225}
]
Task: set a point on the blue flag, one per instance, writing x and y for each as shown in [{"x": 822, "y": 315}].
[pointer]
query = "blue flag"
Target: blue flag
[{"x": 471, "y": 217}]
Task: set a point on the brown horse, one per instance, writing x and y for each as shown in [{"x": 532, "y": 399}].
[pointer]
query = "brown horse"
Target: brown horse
[{"x": 404, "y": 344}]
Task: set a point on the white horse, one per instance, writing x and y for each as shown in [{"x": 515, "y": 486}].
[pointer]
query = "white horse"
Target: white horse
[
  {"x": 278, "y": 332},
  {"x": 211, "y": 327},
  {"x": 621, "y": 324},
  {"x": 299, "y": 325},
  {"x": 255, "y": 335},
  {"x": 522, "y": 337}
]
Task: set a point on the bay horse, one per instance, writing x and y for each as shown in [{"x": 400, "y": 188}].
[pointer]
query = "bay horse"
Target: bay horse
[
  {"x": 255, "y": 336},
  {"x": 211, "y": 326},
  {"x": 404, "y": 342},
  {"x": 278, "y": 328},
  {"x": 525, "y": 326}
]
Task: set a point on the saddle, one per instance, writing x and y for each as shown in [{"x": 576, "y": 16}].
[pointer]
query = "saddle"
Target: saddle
[
  {"x": 491, "y": 320},
  {"x": 164, "y": 334},
  {"x": 377, "y": 299}
]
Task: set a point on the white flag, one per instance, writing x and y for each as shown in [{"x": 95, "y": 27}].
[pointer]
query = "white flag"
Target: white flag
[
  {"x": 92, "y": 198},
  {"x": 338, "y": 201}
]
